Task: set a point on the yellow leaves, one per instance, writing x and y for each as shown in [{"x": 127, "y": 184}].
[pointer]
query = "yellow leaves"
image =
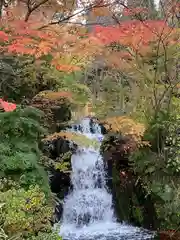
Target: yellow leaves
[
  {"x": 25, "y": 211},
  {"x": 50, "y": 95},
  {"x": 79, "y": 139},
  {"x": 127, "y": 127},
  {"x": 45, "y": 47},
  {"x": 68, "y": 63},
  {"x": 125, "y": 124},
  {"x": 62, "y": 166}
]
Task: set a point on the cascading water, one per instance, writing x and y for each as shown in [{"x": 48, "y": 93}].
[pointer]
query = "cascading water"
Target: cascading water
[{"x": 88, "y": 212}]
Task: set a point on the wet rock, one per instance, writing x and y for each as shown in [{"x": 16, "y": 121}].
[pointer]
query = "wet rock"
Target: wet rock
[
  {"x": 55, "y": 150},
  {"x": 132, "y": 203},
  {"x": 169, "y": 235}
]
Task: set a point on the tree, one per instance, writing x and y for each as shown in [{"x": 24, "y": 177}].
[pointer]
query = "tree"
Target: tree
[
  {"x": 59, "y": 45},
  {"x": 44, "y": 9},
  {"x": 146, "y": 49},
  {"x": 147, "y": 52}
]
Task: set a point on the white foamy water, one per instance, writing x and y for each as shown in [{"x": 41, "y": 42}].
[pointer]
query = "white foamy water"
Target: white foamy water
[{"x": 88, "y": 212}]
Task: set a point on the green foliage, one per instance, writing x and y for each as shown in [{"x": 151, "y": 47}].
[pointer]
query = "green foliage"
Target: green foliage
[
  {"x": 47, "y": 236},
  {"x": 62, "y": 166},
  {"x": 25, "y": 212},
  {"x": 158, "y": 167},
  {"x": 23, "y": 77},
  {"x": 110, "y": 90},
  {"x": 25, "y": 198},
  {"x": 19, "y": 136},
  {"x": 22, "y": 123},
  {"x": 144, "y": 91},
  {"x": 72, "y": 83},
  {"x": 172, "y": 147}
]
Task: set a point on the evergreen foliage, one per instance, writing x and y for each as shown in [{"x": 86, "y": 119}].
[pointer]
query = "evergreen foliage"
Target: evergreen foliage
[
  {"x": 25, "y": 197},
  {"x": 19, "y": 135}
]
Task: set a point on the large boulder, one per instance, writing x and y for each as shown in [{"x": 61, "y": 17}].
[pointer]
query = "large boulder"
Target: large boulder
[{"x": 57, "y": 152}]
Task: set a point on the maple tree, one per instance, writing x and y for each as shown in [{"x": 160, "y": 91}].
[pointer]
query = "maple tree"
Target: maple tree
[
  {"x": 134, "y": 33},
  {"x": 43, "y": 9},
  {"x": 21, "y": 38},
  {"x": 144, "y": 50}
]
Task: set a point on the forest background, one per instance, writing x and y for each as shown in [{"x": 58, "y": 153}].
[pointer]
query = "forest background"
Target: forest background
[{"x": 118, "y": 61}]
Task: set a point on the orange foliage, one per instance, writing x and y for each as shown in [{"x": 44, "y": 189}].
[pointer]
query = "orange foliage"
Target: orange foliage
[
  {"x": 55, "y": 95},
  {"x": 66, "y": 135},
  {"x": 135, "y": 34},
  {"x": 139, "y": 38},
  {"x": 127, "y": 127},
  {"x": 23, "y": 38}
]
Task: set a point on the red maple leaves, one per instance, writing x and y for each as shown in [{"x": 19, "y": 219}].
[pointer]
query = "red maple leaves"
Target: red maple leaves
[
  {"x": 21, "y": 38},
  {"x": 134, "y": 33},
  {"x": 3, "y": 36},
  {"x": 6, "y": 106}
]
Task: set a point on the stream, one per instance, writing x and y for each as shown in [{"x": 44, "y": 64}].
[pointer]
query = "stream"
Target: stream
[{"x": 88, "y": 209}]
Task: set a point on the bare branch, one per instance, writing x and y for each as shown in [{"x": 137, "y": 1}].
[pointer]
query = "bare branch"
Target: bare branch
[
  {"x": 32, "y": 9},
  {"x": 65, "y": 19}
]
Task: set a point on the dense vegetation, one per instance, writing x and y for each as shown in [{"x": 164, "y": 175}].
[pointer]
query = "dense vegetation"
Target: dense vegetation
[{"x": 126, "y": 75}]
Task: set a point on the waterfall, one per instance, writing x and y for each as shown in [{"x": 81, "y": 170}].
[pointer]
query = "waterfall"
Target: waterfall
[{"x": 88, "y": 212}]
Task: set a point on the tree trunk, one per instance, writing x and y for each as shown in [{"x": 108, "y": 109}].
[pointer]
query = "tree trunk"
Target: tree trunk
[{"x": 1, "y": 7}]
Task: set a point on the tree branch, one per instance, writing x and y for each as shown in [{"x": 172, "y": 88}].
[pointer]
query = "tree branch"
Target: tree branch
[
  {"x": 32, "y": 9},
  {"x": 65, "y": 19}
]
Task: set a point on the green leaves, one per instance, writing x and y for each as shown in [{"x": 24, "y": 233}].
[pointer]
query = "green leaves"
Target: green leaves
[
  {"x": 19, "y": 161},
  {"x": 21, "y": 123},
  {"x": 62, "y": 166},
  {"x": 159, "y": 166},
  {"x": 19, "y": 154},
  {"x": 72, "y": 82},
  {"x": 47, "y": 236},
  {"x": 27, "y": 212}
]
